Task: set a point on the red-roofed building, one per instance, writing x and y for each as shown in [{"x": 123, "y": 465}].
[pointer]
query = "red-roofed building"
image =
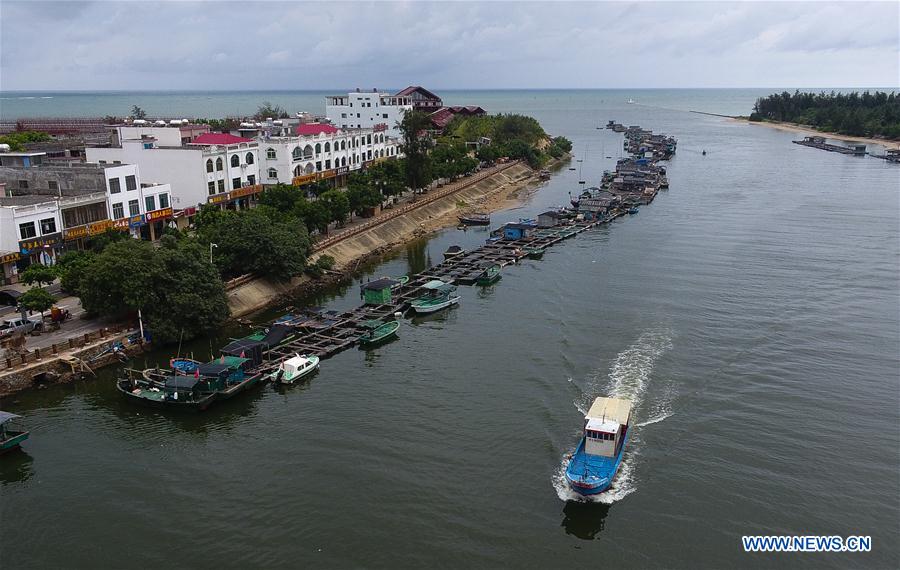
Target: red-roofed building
[
  {"x": 307, "y": 129},
  {"x": 222, "y": 139},
  {"x": 442, "y": 117},
  {"x": 422, "y": 99}
]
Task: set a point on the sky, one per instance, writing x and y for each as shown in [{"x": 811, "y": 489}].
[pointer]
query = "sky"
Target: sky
[{"x": 250, "y": 45}]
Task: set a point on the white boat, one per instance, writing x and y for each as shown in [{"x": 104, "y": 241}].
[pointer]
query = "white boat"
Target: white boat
[
  {"x": 295, "y": 368},
  {"x": 631, "y": 101},
  {"x": 438, "y": 295}
]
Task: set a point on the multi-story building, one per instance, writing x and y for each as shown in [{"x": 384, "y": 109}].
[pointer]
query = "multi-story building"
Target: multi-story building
[
  {"x": 368, "y": 109},
  {"x": 214, "y": 168},
  {"x": 322, "y": 152},
  {"x": 49, "y": 207},
  {"x": 422, "y": 99}
]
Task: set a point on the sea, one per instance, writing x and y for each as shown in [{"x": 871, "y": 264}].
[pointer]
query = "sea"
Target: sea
[{"x": 751, "y": 313}]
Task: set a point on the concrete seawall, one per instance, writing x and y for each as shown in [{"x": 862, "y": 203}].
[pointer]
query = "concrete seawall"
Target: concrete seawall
[{"x": 256, "y": 294}]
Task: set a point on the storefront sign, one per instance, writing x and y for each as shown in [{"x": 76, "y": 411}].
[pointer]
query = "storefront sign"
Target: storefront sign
[
  {"x": 75, "y": 233},
  {"x": 380, "y": 127},
  {"x": 135, "y": 222},
  {"x": 343, "y": 170},
  {"x": 28, "y": 245},
  {"x": 327, "y": 174},
  {"x": 187, "y": 212},
  {"x": 304, "y": 179},
  {"x": 245, "y": 191},
  {"x": 97, "y": 228},
  {"x": 218, "y": 198},
  {"x": 157, "y": 215},
  {"x": 10, "y": 257},
  {"x": 121, "y": 224}
]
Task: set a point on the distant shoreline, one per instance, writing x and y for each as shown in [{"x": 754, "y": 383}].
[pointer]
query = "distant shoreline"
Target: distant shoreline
[{"x": 795, "y": 128}]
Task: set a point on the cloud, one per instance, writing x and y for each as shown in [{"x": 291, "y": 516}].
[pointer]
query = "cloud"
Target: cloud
[{"x": 223, "y": 45}]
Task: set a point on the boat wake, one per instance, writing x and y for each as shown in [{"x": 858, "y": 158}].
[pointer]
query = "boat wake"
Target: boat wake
[{"x": 628, "y": 377}]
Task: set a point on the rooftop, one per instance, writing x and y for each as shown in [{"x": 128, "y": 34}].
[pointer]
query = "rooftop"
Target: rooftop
[
  {"x": 615, "y": 409},
  {"x": 219, "y": 139},
  {"x": 315, "y": 129}
]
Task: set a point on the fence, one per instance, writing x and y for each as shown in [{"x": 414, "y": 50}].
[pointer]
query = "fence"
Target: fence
[{"x": 49, "y": 352}]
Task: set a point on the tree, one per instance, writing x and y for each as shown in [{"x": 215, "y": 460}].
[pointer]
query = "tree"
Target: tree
[
  {"x": 337, "y": 203},
  {"x": 253, "y": 242},
  {"x": 99, "y": 242},
  {"x": 72, "y": 267},
  {"x": 176, "y": 289},
  {"x": 416, "y": 144},
  {"x": 138, "y": 113},
  {"x": 389, "y": 177},
  {"x": 17, "y": 140},
  {"x": 269, "y": 111},
  {"x": 281, "y": 197},
  {"x": 38, "y": 274},
  {"x": 315, "y": 215},
  {"x": 37, "y": 299}
]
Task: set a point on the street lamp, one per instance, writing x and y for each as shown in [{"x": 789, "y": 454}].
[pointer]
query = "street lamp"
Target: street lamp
[{"x": 211, "y": 246}]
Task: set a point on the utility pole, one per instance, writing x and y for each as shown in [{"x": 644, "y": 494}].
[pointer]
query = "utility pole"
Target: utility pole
[{"x": 211, "y": 246}]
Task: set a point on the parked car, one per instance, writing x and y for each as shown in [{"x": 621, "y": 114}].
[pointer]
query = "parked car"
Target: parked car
[
  {"x": 20, "y": 325},
  {"x": 10, "y": 297}
]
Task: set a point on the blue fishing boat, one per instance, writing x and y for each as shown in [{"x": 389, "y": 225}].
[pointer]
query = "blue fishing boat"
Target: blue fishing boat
[
  {"x": 183, "y": 366},
  {"x": 633, "y": 211},
  {"x": 595, "y": 462}
]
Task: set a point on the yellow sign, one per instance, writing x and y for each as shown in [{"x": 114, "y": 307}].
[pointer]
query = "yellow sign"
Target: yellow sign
[
  {"x": 157, "y": 215},
  {"x": 305, "y": 179},
  {"x": 10, "y": 257}
]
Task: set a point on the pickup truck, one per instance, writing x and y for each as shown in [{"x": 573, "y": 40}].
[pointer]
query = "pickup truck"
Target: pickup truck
[{"x": 20, "y": 325}]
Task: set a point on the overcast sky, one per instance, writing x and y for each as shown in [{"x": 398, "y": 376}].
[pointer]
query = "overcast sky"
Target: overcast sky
[{"x": 250, "y": 45}]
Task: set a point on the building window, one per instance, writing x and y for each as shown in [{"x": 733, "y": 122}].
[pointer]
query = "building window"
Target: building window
[
  {"x": 118, "y": 211},
  {"x": 251, "y": 179},
  {"x": 134, "y": 209},
  {"x": 163, "y": 201},
  {"x": 343, "y": 115},
  {"x": 369, "y": 139},
  {"x": 114, "y": 186},
  {"x": 209, "y": 166},
  {"x": 318, "y": 148},
  {"x": 384, "y": 115},
  {"x": 211, "y": 186},
  {"x": 344, "y": 161},
  {"x": 249, "y": 158},
  {"x": 130, "y": 183},
  {"x": 53, "y": 185},
  {"x": 235, "y": 161},
  {"x": 343, "y": 145},
  {"x": 270, "y": 153},
  {"x": 219, "y": 163},
  {"x": 27, "y": 230},
  {"x": 221, "y": 185},
  {"x": 328, "y": 165},
  {"x": 273, "y": 173},
  {"x": 150, "y": 203},
  {"x": 297, "y": 153},
  {"x": 48, "y": 226},
  {"x": 327, "y": 147},
  {"x": 235, "y": 183}
]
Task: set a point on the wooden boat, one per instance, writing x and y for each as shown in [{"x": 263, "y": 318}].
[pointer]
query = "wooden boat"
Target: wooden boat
[
  {"x": 453, "y": 251},
  {"x": 594, "y": 464},
  {"x": 534, "y": 252},
  {"x": 378, "y": 332},
  {"x": 183, "y": 366},
  {"x": 10, "y": 438},
  {"x": 490, "y": 275},
  {"x": 475, "y": 219},
  {"x": 230, "y": 375},
  {"x": 438, "y": 296},
  {"x": 401, "y": 281},
  {"x": 295, "y": 368},
  {"x": 167, "y": 391}
]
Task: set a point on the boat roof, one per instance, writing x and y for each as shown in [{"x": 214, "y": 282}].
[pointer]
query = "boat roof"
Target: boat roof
[
  {"x": 380, "y": 284},
  {"x": 6, "y": 416},
  {"x": 295, "y": 360},
  {"x": 434, "y": 284},
  {"x": 181, "y": 382},
  {"x": 607, "y": 425},
  {"x": 241, "y": 344},
  {"x": 609, "y": 410}
]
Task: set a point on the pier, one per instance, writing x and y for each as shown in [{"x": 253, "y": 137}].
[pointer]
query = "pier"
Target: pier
[{"x": 822, "y": 144}]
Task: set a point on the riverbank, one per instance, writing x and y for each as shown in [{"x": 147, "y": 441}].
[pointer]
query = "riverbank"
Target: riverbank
[
  {"x": 503, "y": 189},
  {"x": 805, "y": 130}
]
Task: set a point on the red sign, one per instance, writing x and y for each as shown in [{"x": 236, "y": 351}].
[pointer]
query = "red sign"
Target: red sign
[
  {"x": 157, "y": 215},
  {"x": 380, "y": 127}
]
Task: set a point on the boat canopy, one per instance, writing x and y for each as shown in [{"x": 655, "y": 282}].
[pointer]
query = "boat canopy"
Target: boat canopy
[
  {"x": 6, "y": 416},
  {"x": 277, "y": 333},
  {"x": 607, "y": 425},
  {"x": 606, "y": 410},
  {"x": 181, "y": 382},
  {"x": 380, "y": 284},
  {"x": 434, "y": 284}
]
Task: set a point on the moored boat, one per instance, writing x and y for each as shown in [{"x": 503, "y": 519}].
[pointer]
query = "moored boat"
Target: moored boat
[
  {"x": 438, "y": 295},
  {"x": 475, "y": 219},
  {"x": 490, "y": 275},
  {"x": 167, "y": 391},
  {"x": 295, "y": 368},
  {"x": 10, "y": 438},
  {"x": 378, "y": 332},
  {"x": 453, "y": 251},
  {"x": 545, "y": 174},
  {"x": 534, "y": 252},
  {"x": 633, "y": 211},
  {"x": 595, "y": 462},
  {"x": 183, "y": 365}
]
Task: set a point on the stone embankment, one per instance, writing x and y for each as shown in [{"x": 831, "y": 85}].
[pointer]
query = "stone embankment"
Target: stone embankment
[{"x": 388, "y": 230}]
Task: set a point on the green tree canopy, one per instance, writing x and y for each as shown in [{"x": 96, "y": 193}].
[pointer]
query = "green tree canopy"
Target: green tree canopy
[
  {"x": 37, "y": 273},
  {"x": 37, "y": 299},
  {"x": 337, "y": 203},
  {"x": 19, "y": 139},
  {"x": 416, "y": 144},
  {"x": 72, "y": 267}
]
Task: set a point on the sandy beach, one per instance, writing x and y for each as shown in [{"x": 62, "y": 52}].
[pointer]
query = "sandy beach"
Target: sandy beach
[{"x": 795, "y": 128}]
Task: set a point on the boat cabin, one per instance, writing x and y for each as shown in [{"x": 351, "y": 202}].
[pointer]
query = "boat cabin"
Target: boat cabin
[
  {"x": 453, "y": 251},
  {"x": 436, "y": 288},
  {"x": 245, "y": 348},
  {"x": 378, "y": 292},
  {"x": 549, "y": 219},
  {"x": 297, "y": 365},
  {"x": 605, "y": 426},
  {"x": 224, "y": 371},
  {"x": 186, "y": 388},
  {"x": 10, "y": 437},
  {"x": 518, "y": 230}
]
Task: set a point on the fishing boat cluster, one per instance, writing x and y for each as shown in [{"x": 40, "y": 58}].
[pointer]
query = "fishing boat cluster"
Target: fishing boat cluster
[{"x": 290, "y": 349}]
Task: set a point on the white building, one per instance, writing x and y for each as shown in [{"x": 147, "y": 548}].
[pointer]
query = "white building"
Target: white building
[
  {"x": 176, "y": 132},
  {"x": 368, "y": 109},
  {"x": 322, "y": 152},
  {"x": 213, "y": 168},
  {"x": 52, "y": 207}
]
